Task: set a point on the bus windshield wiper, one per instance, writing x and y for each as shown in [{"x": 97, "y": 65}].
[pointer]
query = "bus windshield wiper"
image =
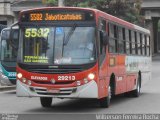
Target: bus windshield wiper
[{"x": 70, "y": 33}]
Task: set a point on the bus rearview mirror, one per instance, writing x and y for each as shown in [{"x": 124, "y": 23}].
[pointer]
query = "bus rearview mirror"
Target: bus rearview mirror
[{"x": 11, "y": 36}]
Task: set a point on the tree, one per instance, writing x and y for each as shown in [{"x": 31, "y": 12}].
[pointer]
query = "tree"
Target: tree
[{"x": 128, "y": 10}]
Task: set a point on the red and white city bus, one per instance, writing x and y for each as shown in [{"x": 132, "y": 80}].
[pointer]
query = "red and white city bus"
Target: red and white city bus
[{"x": 80, "y": 53}]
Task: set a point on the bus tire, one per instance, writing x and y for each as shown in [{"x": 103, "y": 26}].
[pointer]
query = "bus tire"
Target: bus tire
[
  {"x": 105, "y": 102},
  {"x": 46, "y": 101},
  {"x": 137, "y": 91}
]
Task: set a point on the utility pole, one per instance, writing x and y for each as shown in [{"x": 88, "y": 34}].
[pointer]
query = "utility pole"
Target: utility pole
[{"x": 61, "y": 3}]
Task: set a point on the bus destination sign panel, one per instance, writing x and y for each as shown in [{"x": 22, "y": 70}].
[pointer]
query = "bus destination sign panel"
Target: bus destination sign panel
[
  {"x": 44, "y": 16},
  {"x": 55, "y": 17}
]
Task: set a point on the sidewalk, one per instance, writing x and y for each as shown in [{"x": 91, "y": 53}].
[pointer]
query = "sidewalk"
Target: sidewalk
[
  {"x": 156, "y": 57},
  {"x": 6, "y": 88}
]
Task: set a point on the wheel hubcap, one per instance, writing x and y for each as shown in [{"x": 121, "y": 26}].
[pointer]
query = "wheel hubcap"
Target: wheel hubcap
[
  {"x": 138, "y": 88},
  {"x": 109, "y": 92}
]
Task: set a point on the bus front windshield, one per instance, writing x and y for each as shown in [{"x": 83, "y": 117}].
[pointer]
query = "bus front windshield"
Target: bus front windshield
[
  {"x": 59, "y": 45},
  {"x": 9, "y": 46}
]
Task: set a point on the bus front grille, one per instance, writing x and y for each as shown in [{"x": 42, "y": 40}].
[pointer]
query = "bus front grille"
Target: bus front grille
[
  {"x": 54, "y": 71},
  {"x": 50, "y": 83}
]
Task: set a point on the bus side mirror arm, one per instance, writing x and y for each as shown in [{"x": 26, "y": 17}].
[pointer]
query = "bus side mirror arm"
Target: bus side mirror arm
[{"x": 11, "y": 27}]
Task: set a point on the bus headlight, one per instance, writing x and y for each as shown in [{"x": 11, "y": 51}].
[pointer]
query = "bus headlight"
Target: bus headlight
[
  {"x": 91, "y": 76},
  {"x": 19, "y": 75}
]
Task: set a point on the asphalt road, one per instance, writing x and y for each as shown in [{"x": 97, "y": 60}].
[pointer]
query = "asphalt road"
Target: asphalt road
[{"x": 148, "y": 102}]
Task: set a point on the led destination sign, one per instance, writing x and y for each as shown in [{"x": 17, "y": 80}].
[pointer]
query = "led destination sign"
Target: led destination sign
[{"x": 55, "y": 15}]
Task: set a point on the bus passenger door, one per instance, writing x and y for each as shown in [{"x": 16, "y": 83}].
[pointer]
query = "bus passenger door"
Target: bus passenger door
[{"x": 102, "y": 90}]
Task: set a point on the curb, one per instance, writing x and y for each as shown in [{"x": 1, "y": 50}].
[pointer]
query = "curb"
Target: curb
[{"x": 6, "y": 88}]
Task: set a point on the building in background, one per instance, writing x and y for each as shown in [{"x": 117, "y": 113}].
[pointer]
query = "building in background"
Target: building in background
[
  {"x": 9, "y": 9},
  {"x": 151, "y": 11}
]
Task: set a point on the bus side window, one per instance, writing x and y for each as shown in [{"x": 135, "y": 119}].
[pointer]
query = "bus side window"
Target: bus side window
[
  {"x": 116, "y": 37},
  {"x": 133, "y": 42},
  {"x": 102, "y": 49},
  {"x": 112, "y": 38},
  {"x": 121, "y": 40},
  {"x": 141, "y": 52},
  {"x": 138, "y": 44},
  {"x": 124, "y": 39},
  {"x": 102, "y": 27},
  {"x": 130, "y": 42},
  {"x": 145, "y": 47},
  {"x": 127, "y": 42},
  {"x": 148, "y": 45},
  {"x": 143, "y": 44}
]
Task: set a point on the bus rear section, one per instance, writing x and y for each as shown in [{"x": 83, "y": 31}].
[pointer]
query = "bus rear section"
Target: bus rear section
[{"x": 8, "y": 48}]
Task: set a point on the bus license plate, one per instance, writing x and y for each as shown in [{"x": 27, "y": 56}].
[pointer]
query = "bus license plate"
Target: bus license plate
[{"x": 53, "y": 91}]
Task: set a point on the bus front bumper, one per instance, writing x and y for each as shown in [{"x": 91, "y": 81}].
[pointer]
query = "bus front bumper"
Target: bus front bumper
[{"x": 89, "y": 90}]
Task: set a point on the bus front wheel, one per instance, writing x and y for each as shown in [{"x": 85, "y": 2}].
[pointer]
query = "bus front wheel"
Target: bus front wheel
[
  {"x": 105, "y": 102},
  {"x": 46, "y": 101}
]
